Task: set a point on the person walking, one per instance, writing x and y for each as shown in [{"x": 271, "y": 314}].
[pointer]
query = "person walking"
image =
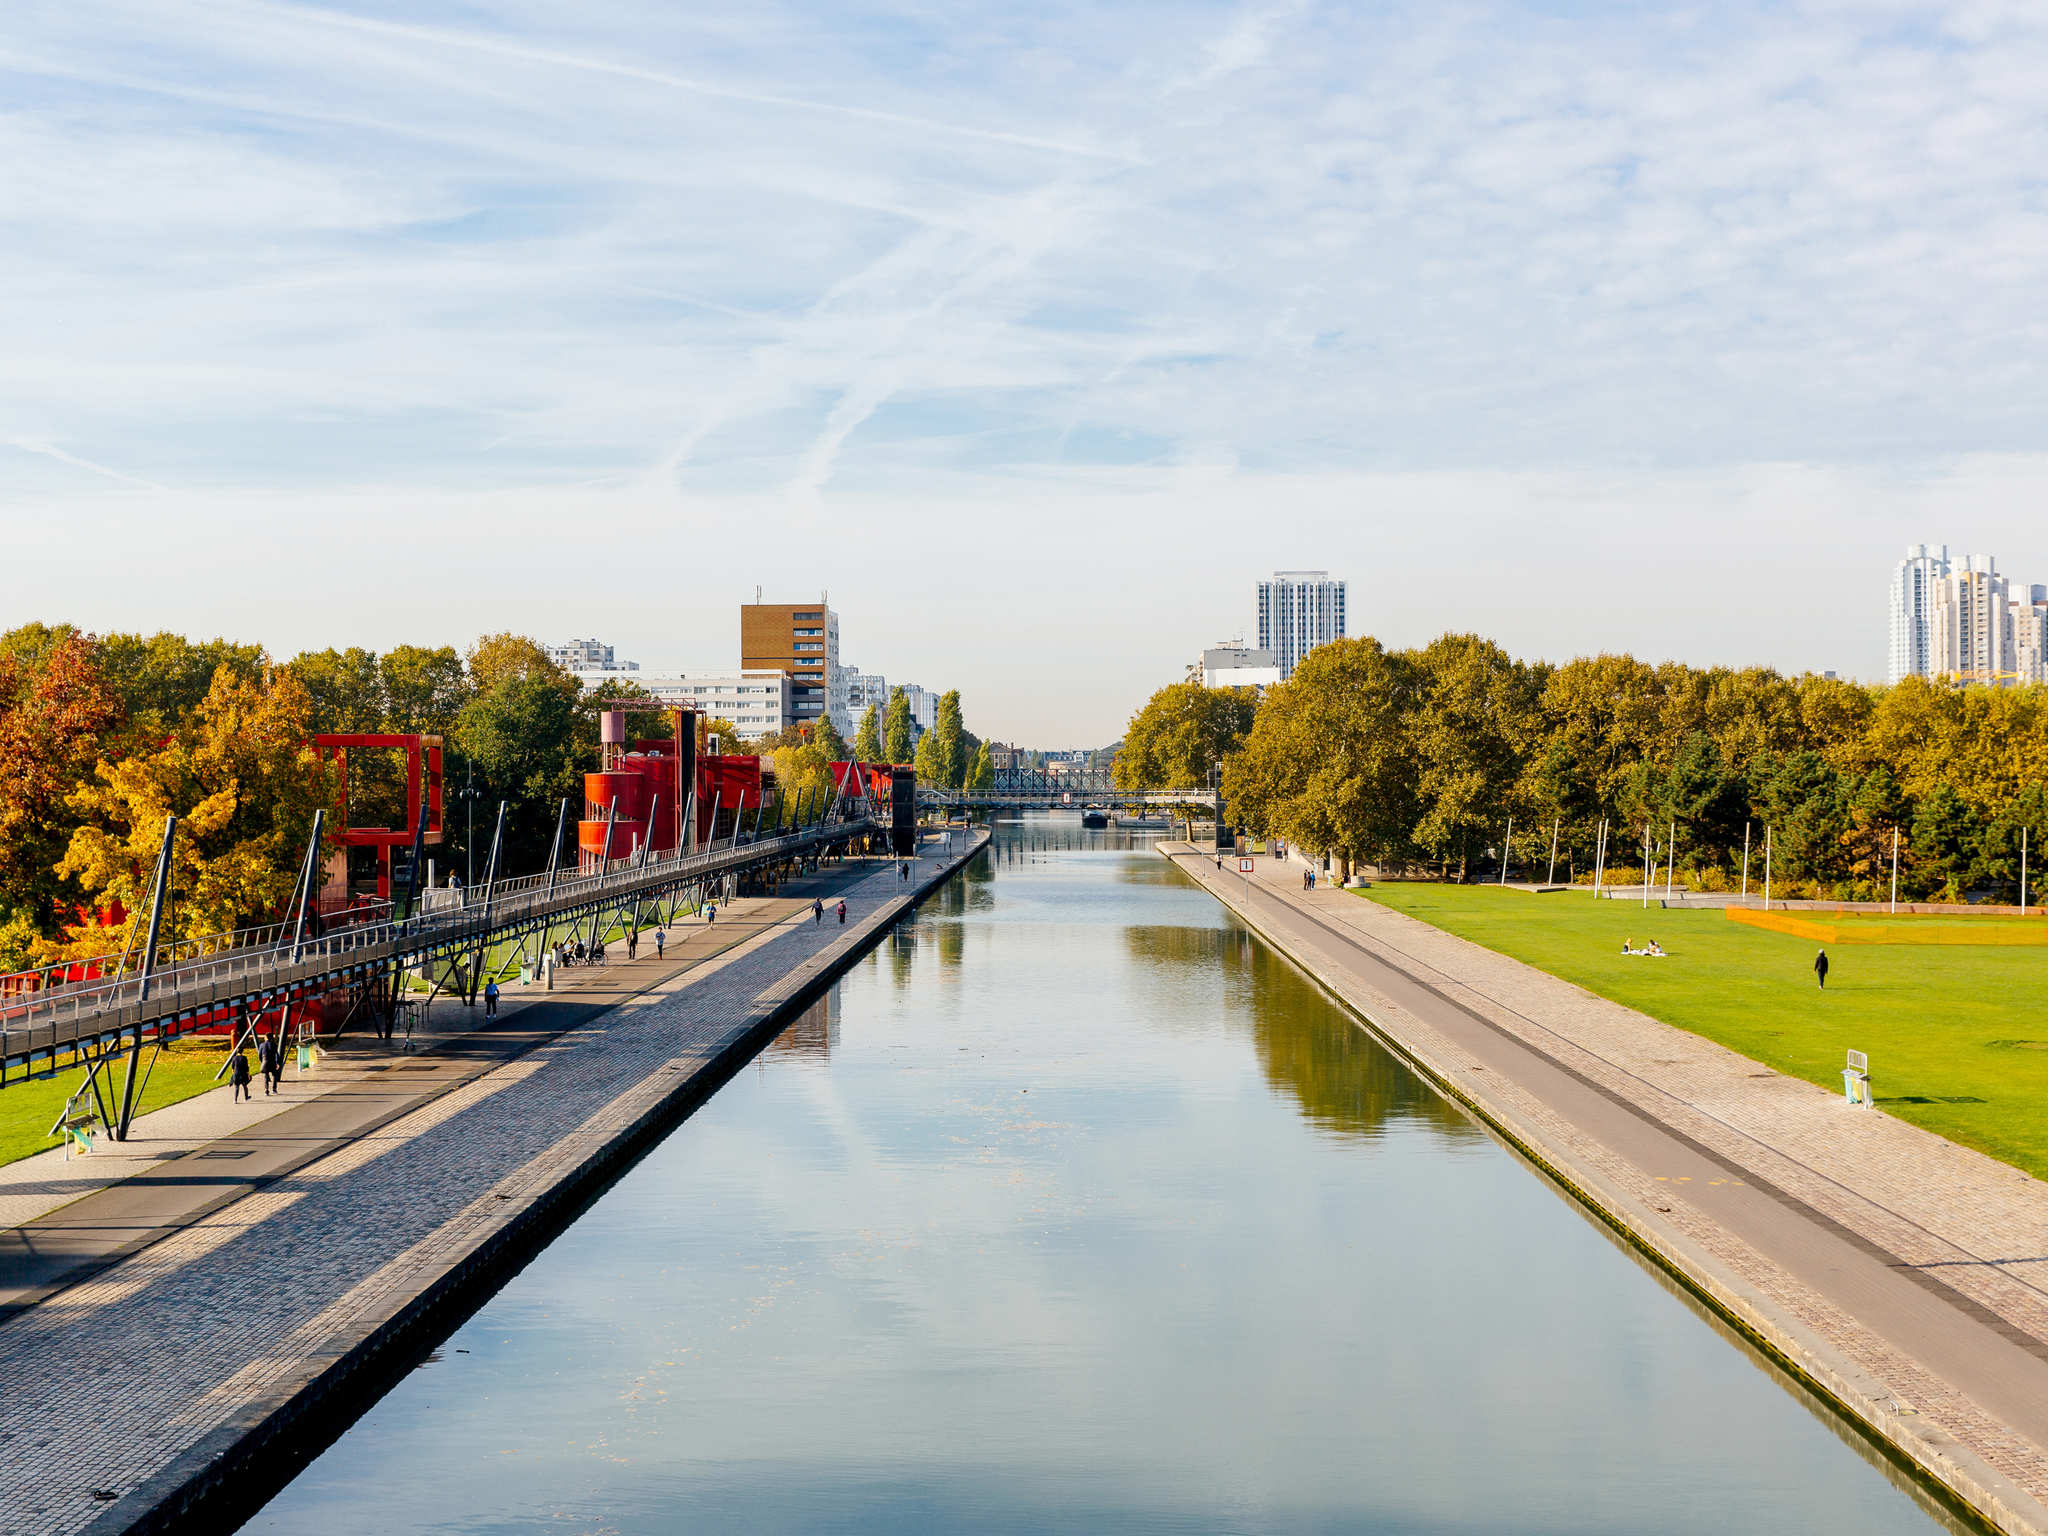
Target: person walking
[
  {"x": 817, "y": 910},
  {"x": 633, "y": 945},
  {"x": 660, "y": 942},
  {"x": 491, "y": 998},
  {"x": 710, "y": 913},
  {"x": 238, "y": 1074},
  {"x": 842, "y": 912},
  {"x": 266, "y": 1054},
  {"x": 1820, "y": 969}
]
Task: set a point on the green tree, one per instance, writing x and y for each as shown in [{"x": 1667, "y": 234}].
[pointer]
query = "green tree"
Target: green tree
[
  {"x": 1183, "y": 731},
  {"x": 2024, "y": 813},
  {"x": 951, "y": 730},
  {"x": 867, "y": 741},
  {"x": 929, "y": 760},
  {"x": 346, "y": 689},
  {"x": 425, "y": 689},
  {"x": 1947, "y": 843},
  {"x": 830, "y": 742},
  {"x": 168, "y": 677},
  {"x": 1474, "y": 722},
  {"x": 982, "y": 776},
  {"x": 899, "y": 736},
  {"x": 1803, "y": 800},
  {"x": 528, "y": 736}
]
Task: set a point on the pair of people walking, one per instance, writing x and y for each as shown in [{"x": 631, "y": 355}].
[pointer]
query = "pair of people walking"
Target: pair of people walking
[{"x": 269, "y": 1057}]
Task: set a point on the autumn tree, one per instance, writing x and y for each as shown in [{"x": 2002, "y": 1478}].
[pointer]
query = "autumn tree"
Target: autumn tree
[
  {"x": 244, "y": 783},
  {"x": 56, "y": 709},
  {"x": 1183, "y": 731},
  {"x": 1329, "y": 763},
  {"x": 1471, "y": 729}
]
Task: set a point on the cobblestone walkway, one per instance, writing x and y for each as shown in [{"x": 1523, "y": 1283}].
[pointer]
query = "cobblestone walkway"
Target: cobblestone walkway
[
  {"x": 114, "y": 1382},
  {"x": 1902, "y": 1273}
]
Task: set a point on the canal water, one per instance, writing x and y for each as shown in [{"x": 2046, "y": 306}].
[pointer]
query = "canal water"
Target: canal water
[{"x": 1075, "y": 1208}]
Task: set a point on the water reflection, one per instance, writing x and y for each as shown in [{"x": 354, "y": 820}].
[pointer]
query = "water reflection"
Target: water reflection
[
  {"x": 812, "y": 1033},
  {"x": 1343, "y": 1079},
  {"x": 1085, "y": 1212}
]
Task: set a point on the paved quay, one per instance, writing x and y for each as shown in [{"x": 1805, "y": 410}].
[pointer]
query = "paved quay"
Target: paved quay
[
  {"x": 236, "y": 1326},
  {"x": 1903, "y": 1276}
]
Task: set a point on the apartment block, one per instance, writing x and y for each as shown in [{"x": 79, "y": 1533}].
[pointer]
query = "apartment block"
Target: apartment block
[
  {"x": 1298, "y": 611},
  {"x": 1916, "y": 588},
  {"x": 757, "y": 703},
  {"x": 801, "y": 641},
  {"x": 1971, "y": 637},
  {"x": 864, "y": 689},
  {"x": 586, "y": 656}
]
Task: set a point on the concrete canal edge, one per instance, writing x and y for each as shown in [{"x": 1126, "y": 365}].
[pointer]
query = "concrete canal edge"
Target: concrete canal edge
[
  {"x": 1953, "y": 1473},
  {"x": 228, "y": 1474}
]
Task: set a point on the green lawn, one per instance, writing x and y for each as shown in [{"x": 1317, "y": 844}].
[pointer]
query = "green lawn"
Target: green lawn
[
  {"x": 1951, "y": 1031},
  {"x": 28, "y": 1108}
]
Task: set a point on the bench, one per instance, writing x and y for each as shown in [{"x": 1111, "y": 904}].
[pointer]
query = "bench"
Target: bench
[{"x": 1856, "y": 1080}]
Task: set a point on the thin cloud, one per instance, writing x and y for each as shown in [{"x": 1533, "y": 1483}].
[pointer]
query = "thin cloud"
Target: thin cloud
[
  {"x": 52, "y": 451},
  {"x": 504, "y": 48}
]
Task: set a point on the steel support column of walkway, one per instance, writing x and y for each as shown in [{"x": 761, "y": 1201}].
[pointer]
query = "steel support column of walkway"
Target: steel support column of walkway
[{"x": 88, "y": 1020}]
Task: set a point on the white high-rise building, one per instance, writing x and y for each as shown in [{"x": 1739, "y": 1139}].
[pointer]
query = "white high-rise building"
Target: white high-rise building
[
  {"x": 1971, "y": 636},
  {"x": 2030, "y": 631},
  {"x": 864, "y": 689},
  {"x": 1915, "y": 583},
  {"x": 1298, "y": 611},
  {"x": 587, "y": 656},
  {"x": 924, "y": 706}
]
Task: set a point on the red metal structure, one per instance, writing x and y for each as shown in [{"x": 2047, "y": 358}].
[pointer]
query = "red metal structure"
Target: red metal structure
[{"x": 422, "y": 797}]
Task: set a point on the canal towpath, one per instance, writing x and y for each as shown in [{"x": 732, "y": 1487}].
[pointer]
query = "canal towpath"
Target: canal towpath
[
  {"x": 1903, "y": 1276},
  {"x": 253, "y": 1304}
]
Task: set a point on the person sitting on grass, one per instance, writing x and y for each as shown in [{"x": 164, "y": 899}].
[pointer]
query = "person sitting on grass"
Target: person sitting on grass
[{"x": 1653, "y": 948}]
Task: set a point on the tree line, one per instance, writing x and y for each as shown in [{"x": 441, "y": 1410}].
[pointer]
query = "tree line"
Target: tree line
[
  {"x": 101, "y": 736},
  {"x": 1420, "y": 757},
  {"x": 948, "y": 755}
]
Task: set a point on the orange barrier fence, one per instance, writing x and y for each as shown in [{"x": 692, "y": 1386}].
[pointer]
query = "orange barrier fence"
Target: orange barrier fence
[{"x": 1895, "y": 930}]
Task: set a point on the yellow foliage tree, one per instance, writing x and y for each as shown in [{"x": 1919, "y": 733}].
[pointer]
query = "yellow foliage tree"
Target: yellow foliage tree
[{"x": 244, "y": 783}]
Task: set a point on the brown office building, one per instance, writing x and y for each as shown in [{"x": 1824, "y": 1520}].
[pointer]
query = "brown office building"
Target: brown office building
[{"x": 799, "y": 639}]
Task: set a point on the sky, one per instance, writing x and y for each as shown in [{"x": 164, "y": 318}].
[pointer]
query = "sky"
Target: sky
[{"x": 1033, "y": 335}]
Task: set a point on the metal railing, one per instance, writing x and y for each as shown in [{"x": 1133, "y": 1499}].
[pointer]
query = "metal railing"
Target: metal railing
[{"x": 252, "y": 961}]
